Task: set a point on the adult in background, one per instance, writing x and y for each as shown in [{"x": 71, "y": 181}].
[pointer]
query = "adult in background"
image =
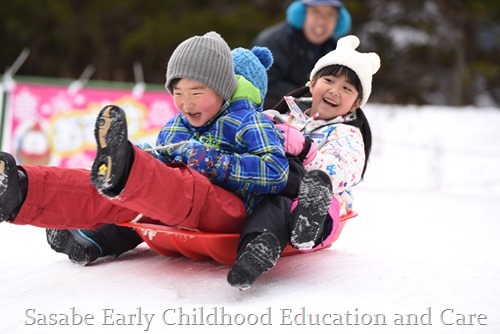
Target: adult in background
[{"x": 310, "y": 31}]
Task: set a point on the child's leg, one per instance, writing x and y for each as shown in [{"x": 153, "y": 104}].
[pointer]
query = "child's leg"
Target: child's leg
[
  {"x": 64, "y": 198},
  {"x": 296, "y": 172},
  {"x": 262, "y": 240},
  {"x": 173, "y": 194},
  {"x": 266, "y": 233},
  {"x": 272, "y": 214},
  {"x": 179, "y": 196}
]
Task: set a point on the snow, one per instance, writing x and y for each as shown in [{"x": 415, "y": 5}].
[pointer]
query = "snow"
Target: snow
[{"x": 423, "y": 249}]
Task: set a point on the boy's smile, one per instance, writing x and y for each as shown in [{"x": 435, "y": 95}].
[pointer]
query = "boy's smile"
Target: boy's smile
[{"x": 197, "y": 102}]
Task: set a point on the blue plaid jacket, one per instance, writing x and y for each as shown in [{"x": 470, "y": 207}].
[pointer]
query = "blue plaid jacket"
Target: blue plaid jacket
[{"x": 238, "y": 150}]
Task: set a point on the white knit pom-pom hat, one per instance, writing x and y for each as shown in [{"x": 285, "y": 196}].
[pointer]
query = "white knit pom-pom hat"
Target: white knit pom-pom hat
[{"x": 365, "y": 65}]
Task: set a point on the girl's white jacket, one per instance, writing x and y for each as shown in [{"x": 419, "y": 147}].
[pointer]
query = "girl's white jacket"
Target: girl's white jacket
[{"x": 340, "y": 148}]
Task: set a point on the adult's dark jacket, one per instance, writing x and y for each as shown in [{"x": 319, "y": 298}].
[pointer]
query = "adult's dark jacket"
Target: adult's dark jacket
[{"x": 294, "y": 58}]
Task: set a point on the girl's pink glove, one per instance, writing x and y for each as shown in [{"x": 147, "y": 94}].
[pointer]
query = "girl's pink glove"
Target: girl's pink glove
[
  {"x": 311, "y": 154},
  {"x": 294, "y": 139},
  {"x": 296, "y": 144}
]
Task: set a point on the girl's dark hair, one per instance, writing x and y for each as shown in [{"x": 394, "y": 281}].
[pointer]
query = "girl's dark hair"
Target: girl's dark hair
[{"x": 361, "y": 122}]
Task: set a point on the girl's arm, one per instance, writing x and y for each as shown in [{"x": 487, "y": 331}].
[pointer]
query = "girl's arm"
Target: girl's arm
[{"x": 341, "y": 156}]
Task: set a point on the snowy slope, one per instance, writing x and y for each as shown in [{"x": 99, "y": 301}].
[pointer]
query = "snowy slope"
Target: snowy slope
[{"x": 424, "y": 251}]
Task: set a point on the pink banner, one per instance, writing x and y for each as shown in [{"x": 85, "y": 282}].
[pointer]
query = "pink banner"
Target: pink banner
[{"x": 49, "y": 125}]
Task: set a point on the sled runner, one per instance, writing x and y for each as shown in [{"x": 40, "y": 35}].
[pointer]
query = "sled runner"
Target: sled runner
[{"x": 196, "y": 245}]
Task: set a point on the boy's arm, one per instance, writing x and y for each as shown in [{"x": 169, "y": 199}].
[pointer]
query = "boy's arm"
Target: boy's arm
[
  {"x": 259, "y": 165},
  {"x": 172, "y": 132}
]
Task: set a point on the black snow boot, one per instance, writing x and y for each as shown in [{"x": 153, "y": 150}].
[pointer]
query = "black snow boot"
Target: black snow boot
[
  {"x": 114, "y": 155},
  {"x": 85, "y": 246},
  {"x": 308, "y": 218},
  {"x": 13, "y": 187},
  {"x": 80, "y": 246},
  {"x": 260, "y": 256}
]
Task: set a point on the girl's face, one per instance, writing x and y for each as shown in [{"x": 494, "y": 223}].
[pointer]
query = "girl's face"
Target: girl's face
[
  {"x": 195, "y": 101},
  {"x": 333, "y": 96}
]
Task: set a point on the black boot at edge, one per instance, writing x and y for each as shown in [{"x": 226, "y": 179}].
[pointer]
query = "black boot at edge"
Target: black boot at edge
[
  {"x": 85, "y": 246},
  {"x": 13, "y": 187},
  {"x": 79, "y": 247}
]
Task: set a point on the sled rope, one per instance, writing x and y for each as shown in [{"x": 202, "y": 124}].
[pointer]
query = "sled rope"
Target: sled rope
[{"x": 164, "y": 147}]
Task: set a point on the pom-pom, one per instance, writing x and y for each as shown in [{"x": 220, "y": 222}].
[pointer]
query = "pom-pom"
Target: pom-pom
[{"x": 264, "y": 55}]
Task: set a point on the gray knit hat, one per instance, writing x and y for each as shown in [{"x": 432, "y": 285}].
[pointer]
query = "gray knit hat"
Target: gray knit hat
[{"x": 206, "y": 59}]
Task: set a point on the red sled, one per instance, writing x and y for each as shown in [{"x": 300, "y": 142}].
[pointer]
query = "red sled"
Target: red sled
[{"x": 200, "y": 246}]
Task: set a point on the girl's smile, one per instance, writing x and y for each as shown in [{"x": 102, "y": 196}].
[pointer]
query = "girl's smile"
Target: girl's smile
[{"x": 333, "y": 96}]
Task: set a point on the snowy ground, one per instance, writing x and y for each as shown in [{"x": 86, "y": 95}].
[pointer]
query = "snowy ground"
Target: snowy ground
[{"x": 423, "y": 256}]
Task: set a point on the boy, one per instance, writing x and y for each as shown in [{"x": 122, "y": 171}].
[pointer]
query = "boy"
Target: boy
[
  {"x": 86, "y": 246},
  {"x": 220, "y": 159}
]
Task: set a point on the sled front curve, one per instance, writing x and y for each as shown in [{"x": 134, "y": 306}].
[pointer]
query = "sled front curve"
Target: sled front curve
[{"x": 199, "y": 246}]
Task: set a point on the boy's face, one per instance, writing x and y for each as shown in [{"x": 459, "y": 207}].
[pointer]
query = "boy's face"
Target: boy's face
[
  {"x": 333, "y": 96},
  {"x": 195, "y": 101},
  {"x": 320, "y": 23}
]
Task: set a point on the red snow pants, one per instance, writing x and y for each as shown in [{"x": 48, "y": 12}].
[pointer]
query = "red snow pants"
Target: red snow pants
[{"x": 174, "y": 195}]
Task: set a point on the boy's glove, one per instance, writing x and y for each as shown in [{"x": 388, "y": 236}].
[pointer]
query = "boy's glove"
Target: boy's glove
[{"x": 296, "y": 144}]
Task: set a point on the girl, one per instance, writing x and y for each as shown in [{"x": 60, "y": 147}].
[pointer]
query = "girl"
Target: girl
[{"x": 331, "y": 135}]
